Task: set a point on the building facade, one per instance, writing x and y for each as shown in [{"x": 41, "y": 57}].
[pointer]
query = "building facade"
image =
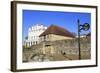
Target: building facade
[{"x": 33, "y": 34}]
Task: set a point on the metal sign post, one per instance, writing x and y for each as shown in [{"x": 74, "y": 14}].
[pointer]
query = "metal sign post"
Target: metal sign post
[
  {"x": 79, "y": 38},
  {"x": 84, "y": 27}
]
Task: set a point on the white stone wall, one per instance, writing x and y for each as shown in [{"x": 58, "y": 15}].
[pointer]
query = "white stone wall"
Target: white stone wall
[{"x": 33, "y": 34}]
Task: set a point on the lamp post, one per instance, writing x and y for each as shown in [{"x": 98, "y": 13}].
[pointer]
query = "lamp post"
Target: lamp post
[{"x": 84, "y": 27}]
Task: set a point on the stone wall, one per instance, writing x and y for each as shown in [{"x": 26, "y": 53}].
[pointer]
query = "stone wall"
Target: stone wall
[
  {"x": 59, "y": 50},
  {"x": 53, "y": 37}
]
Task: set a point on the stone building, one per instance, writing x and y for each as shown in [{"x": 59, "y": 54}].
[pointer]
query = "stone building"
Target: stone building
[
  {"x": 51, "y": 34},
  {"x": 54, "y": 33},
  {"x": 33, "y": 34}
]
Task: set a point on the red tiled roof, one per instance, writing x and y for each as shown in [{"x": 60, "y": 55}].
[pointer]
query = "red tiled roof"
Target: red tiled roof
[{"x": 53, "y": 29}]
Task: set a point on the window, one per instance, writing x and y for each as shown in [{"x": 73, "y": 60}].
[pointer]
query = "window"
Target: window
[
  {"x": 44, "y": 38},
  {"x": 31, "y": 43},
  {"x": 36, "y": 42}
]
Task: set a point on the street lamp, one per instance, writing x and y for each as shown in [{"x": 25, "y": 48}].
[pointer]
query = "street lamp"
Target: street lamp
[{"x": 84, "y": 27}]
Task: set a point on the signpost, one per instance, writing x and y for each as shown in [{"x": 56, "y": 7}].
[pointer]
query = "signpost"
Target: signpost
[{"x": 84, "y": 27}]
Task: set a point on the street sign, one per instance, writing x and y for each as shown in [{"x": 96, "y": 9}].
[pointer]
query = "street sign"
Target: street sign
[{"x": 84, "y": 27}]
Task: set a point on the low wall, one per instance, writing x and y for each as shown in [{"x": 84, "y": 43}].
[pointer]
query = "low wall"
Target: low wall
[{"x": 61, "y": 50}]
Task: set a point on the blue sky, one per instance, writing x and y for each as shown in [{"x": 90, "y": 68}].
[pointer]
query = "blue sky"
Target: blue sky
[{"x": 67, "y": 20}]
